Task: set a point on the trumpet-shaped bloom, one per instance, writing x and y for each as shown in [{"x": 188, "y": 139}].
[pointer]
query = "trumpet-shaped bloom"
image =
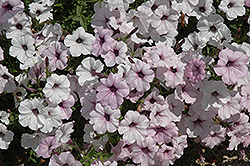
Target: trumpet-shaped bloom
[
  {"x": 231, "y": 66},
  {"x": 80, "y": 42},
  {"x": 112, "y": 90},
  {"x": 134, "y": 127},
  {"x": 6, "y": 137},
  {"x": 57, "y": 88},
  {"x": 104, "y": 119}
]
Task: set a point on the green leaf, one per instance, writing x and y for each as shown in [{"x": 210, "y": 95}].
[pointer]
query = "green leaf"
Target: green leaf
[
  {"x": 78, "y": 10},
  {"x": 233, "y": 26},
  {"x": 91, "y": 153},
  {"x": 106, "y": 156},
  {"x": 83, "y": 22}
]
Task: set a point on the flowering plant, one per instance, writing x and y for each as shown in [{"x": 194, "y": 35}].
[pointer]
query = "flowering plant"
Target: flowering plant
[{"x": 123, "y": 82}]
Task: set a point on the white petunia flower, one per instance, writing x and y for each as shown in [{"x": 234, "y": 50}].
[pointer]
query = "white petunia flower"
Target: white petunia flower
[
  {"x": 232, "y": 8},
  {"x": 6, "y": 137},
  {"x": 4, "y": 117},
  {"x": 40, "y": 11},
  {"x": 79, "y": 42},
  {"x": 88, "y": 70},
  {"x": 57, "y": 88},
  {"x": 22, "y": 47},
  {"x": 32, "y": 140}
]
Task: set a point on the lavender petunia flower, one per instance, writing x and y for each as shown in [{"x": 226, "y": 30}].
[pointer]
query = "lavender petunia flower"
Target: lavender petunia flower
[
  {"x": 46, "y": 146},
  {"x": 65, "y": 158},
  {"x": 231, "y": 66},
  {"x": 112, "y": 90}
]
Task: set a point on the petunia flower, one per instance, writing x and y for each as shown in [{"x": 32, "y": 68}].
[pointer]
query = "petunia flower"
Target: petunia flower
[
  {"x": 231, "y": 66},
  {"x": 133, "y": 127},
  {"x": 112, "y": 90},
  {"x": 104, "y": 119},
  {"x": 41, "y": 12},
  {"x": 232, "y": 8},
  {"x": 65, "y": 158},
  {"x": 6, "y": 136},
  {"x": 46, "y": 146},
  {"x": 57, "y": 88},
  {"x": 80, "y": 42}
]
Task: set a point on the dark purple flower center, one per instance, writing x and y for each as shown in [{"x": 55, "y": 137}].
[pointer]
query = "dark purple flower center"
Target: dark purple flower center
[
  {"x": 38, "y": 12},
  {"x": 55, "y": 86},
  {"x": 19, "y": 93},
  {"x": 164, "y": 17},
  {"x": 213, "y": 28},
  {"x": 2, "y": 134},
  {"x": 202, "y": 9},
  {"x": 8, "y": 7},
  {"x": 35, "y": 111},
  {"x": 102, "y": 40},
  {"x": 65, "y": 164},
  {"x": 145, "y": 150},
  {"x": 113, "y": 89},
  {"x": 230, "y": 5},
  {"x": 132, "y": 124},
  {"x": 154, "y": 7},
  {"x": 195, "y": 46},
  {"x": 173, "y": 70},
  {"x": 57, "y": 55},
  {"x": 215, "y": 94},
  {"x": 5, "y": 76},
  {"x": 229, "y": 63},
  {"x": 60, "y": 104},
  {"x": 223, "y": 39},
  {"x": 79, "y": 40},
  {"x": 140, "y": 74},
  {"x": 198, "y": 121},
  {"x": 116, "y": 52},
  {"x": 25, "y": 48},
  {"x": 107, "y": 117},
  {"x": 19, "y": 26},
  {"x": 152, "y": 100}
]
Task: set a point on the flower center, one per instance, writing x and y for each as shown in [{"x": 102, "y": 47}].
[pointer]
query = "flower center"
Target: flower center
[
  {"x": 55, "y": 86},
  {"x": 154, "y": 7},
  {"x": 140, "y": 74},
  {"x": 102, "y": 40},
  {"x": 113, "y": 89},
  {"x": 5, "y": 76},
  {"x": 57, "y": 55},
  {"x": 164, "y": 17},
  {"x": 145, "y": 150},
  {"x": 35, "y": 111},
  {"x": 19, "y": 26},
  {"x": 19, "y": 93},
  {"x": 174, "y": 70},
  {"x": 8, "y": 7},
  {"x": 213, "y": 28},
  {"x": 1, "y": 134},
  {"x": 230, "y": 5},
  {"x": 60, "y": 104},
  {"x": 152, "y": 100},
  {"x": 215, "y": 94},
  {"x": 116, "y": 52},
  {"x": 229, "y": 63},
  {"x": 202, "y": 9},
  {"x": 79, "y": 40},
  {"x": 38, "y": 12},
  {"x": 107, "y": 117},
  {"x": 132, "y": 124},
  {"x": 25, "y": 47}
]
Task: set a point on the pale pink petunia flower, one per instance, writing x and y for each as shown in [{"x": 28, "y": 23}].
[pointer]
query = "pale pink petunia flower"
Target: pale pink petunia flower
[
  {"x": 231, "y": 66},
  {"x": 65, "y": 158},
  {"x": 104, "y": 119},
  {"x": 139, "y": 76},
  {"x": 133, "y": 127},
  {"x": 195, "y": 70},
  {"x": 9, "y": 8},
  {"x": 112, "y": 90},
  {"x": 65, "y": 107},
  {"x": 57, "y": 54},
  {"x": 144, "y": 151},
  {"x": 46, "y": 146}
]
